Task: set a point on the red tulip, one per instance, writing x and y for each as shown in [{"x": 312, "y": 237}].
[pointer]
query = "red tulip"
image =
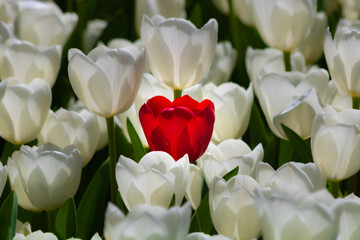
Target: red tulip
[{"x": 181, "y": 127}]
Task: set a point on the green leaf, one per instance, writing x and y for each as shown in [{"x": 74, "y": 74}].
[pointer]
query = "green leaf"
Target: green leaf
[
  {"x": 201, "y": 219},
  {"x": 231, "y": 174},
  {"x": 301, "y": 147},
  {"x": 65, "y": 222},
  {"x": 91, "y": 210},
  {"x": 138, "y": 148},
  {"x": 172, "y": 202},
  {"x": 8, "y": 216}
]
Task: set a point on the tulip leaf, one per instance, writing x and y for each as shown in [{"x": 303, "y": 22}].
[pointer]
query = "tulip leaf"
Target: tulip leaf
[
  {"x": 138, "y": 148},
  {"x": 65, "y": 222},
  {"x": 172, "y": 202},
  {"x": 231, "y": 174},
  {"x": 301, "y": 147},
  {"x": 90, "y": 213},
  {"x": 8, "y": 216},
  {"x": 201, "y": 219}
]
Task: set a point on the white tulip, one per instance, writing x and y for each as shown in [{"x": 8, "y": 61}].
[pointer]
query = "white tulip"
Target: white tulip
[
  {"x": 43, "y": 23},
  {"x": 25, "y": 61},
  {"x": 335, "y": 142},
  {"x": 240, "y": 7},
  {"x": 283, "y": 24},
  {"x": 154, "y": 180},
  {"x": 5, "y": 34},
  {"x": 8, "y": 11},
  {"x": 343, "y": 58},
  {"x": 44, "y": 177},
  {"x": 106, "y": 80},
  {"x": 147, "y": 222},
  {"x": 3, "y": 177},
  {"x": 222, "y": 65},
  {"x": 179, "y": 54},
  {"x": 93, "y": 31},
  {"x": 149, "y": 88},
  {"x": 194, "y": 186},
  {"x": 293, "y": 99},
  {"x": 80, "y": 129},
  {"x": 305, "y": 177},
  {"x": 203, "y": 236},
  {"x": 229, "y": 154},
  {"x": 232, "y": 207},
  {"x": 23, "y": 228},
  {"x": 38, "y": 235},
  {"x": 23, "y": 110},
  {"x": 150, "y": 8}
]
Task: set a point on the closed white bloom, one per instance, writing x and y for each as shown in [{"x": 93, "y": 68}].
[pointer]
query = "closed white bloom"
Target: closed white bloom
[
  {"x": 227, "y": 155},
  {"x": 222, "y": 65},
  {"x": 25, "y": 61},
  {"x": 154, "y": 180},
  {"x": 3, "y": 177},
  {"x": 23, "y": 228},
  {"x": 44, "y": 177},
  {"x": 347, "y": 213},
  {"x": 150, "y": 8},
  {"x": 241, "y": 9},
  {"x": 147, "y": 222},
  {"x": 149, "y": 88},
  {"x": 93, "y": 31},
  {"x": 106, "y": 80},
  {"x": 305, "y": 177},
  {"x": 259, "y": 62},
  {"x": 23, "y": 110},
  {"x": 283, "y": 24},
  {"x": 232, "y": 207},
  {"x": 232, "y": 107},
  {"x": 65, "y": 127},
  {"x": 179, "y": 54},
  {"x": 312, "y": 46},
  {"x": 292, "y": 214},
  {"x": 38, "y": 235},
  {"x": 293, "y": 99},
  {"x": 43, "y": 23},
  {"x": 343, "y": 58},
  {"x": 335, "y": 142},
  {"x": 194, "y": 186},
  {"x": 203, "y": 236}
]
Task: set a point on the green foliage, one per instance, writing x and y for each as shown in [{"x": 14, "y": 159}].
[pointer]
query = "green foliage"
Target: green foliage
[
  {"x": 136, "y": 144},
  {"x": 8, "y": 216},
  {"x": 65, "y": 222}
]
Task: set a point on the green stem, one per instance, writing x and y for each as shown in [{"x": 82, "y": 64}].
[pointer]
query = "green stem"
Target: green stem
[
  {"x": 51, "y": 216},
  {"x": 287, "y": 62},
  {"x": 355, "y": 102},
  {"x": 177, "y": 93},
  {"x": 112, "y": 156},
  {"x": 335, "y": 189}
]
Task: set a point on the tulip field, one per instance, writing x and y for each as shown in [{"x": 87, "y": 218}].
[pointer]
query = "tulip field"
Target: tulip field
[{"x": 180, "y": 119}]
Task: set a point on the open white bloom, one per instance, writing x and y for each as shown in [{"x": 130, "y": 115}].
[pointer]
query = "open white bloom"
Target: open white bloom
[
  {"x": 154, "y": 180},
  {"x": 222, "y": 65},
  {"x": 44, "y": 177},
  {"x": 292, "y": 214},
  {"x": 305, "y": 177},
  {"x": 194, "y": 186},
  {"x": 232, "y": 207},
  {"x": 283, "y": 24},
  {"x": 23, "y": 110},
  {"x": 38, "y": 235},
  {"x": 93, "y": 31},
  {"x": 293, "y": 99},
  {"x": 43, "y": 23},
  {"x": 312, "y": 46},
  {"x": 179, "y": 54},
  {"x": 347, "y": 213},
  {"x": 147, "y": 222},
  {"x": 241, "y": 9},
  {"x": 149, "y": 88},
  {"x": 150, "y": 8},
  {"x": 106, "y": 80},
  {"x": 80, "y": 129},
  {"x": 227, "y": 155},
  {"x": 203, "y": 236},
  {"x": 335, "y": 142},
  {"x": 25, "y": 61},
  {"x": 232, "y": 107},
  {"x": 3, "y": 177},
  {"x": 343, "y": 58}
]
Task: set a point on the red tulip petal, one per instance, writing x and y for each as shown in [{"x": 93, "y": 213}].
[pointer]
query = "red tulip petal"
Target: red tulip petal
[
  {"x": 206, "y": 103},
  {"x": 160, "y": 141},
  {"x": 185, "y": 101},
  {"x": 158, "y": 103},
  {"x": 148, "y": 122}
]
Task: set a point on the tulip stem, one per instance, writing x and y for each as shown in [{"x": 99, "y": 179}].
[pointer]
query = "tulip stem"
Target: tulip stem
[
  {"x": 112, "y": 156},
  {"x": 177, "y": 93},
  {"x": 355, "y": 102},
  {"x": 335, "y": 189},
  {"x": 51, "y": 216},
  {"x": 287, "y": 62}
]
